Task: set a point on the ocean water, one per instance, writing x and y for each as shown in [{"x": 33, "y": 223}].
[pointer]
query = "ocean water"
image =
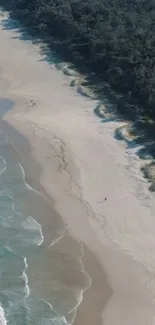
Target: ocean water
[{"x": 41, "y": 280}]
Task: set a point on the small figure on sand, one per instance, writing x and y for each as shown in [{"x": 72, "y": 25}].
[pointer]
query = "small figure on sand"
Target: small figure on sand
[{"x": 105, "y": 199}]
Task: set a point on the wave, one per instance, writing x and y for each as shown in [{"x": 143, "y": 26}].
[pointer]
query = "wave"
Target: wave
[
  {"x": 24, "y": 179},
  {"x": 79, "y": 293},
  {"x": 3, "y": 165},
  {"x": 3, "y": 320},
  {"x": 58, "y": 320},
  {"x": 23, "y": 236},
  {"x": 59, "y": 228},
  {"x": 10, "y": 218},
  {"x": 25, "y": 278},
  {"x": 37, "y": 312},
  {"x": 31, "y": 224}
]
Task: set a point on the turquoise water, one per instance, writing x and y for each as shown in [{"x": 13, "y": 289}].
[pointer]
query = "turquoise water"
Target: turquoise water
[{"x": 40, "y": 284}]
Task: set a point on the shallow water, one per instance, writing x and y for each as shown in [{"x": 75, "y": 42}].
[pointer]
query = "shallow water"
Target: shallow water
[{"x": 41, "y": 280}]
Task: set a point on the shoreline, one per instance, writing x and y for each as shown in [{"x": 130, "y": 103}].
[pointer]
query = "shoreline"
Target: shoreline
[
  {"x": 95, "y": 252},
  {"x": 100, "y": 290},
  {"x": 77, "y": 163}
]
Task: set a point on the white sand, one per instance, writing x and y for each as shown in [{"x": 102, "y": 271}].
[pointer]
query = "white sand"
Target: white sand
[{"x": 93, "y": 166}]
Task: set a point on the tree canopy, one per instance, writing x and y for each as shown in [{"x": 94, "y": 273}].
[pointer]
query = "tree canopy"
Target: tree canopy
[{"x": 114, "y": 38}]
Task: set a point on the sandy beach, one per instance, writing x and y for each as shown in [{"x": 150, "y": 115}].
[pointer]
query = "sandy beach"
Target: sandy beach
[{"x": 72, "y": 157}]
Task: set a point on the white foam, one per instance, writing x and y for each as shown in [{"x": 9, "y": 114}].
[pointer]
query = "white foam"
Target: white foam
[
  {"x": 5, "y": 165},
  {"x": 58, "y": 318},
  {"x": 3, "y": 320},
  {"x": 31, "y": 218},
  {"x": 56, "y": 240},
  {"x": 24, "y": 176},
  {"x": 25, "y": 278},
  {"x": 79, "y": 293},
  {"x": 31, "y": 224},
  {"x": 79, "y": 297}
]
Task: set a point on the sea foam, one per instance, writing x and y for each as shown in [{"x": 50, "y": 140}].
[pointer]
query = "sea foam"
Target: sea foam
[
  {"x": 25, "y": 278},
  {"x": 3, "y": 320},
  {"x": 31, "y": 224}
]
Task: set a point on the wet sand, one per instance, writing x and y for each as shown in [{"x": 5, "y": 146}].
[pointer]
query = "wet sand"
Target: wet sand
[
  {"x": 75, "y": 161},
  {"x": 99, "y": 292}
]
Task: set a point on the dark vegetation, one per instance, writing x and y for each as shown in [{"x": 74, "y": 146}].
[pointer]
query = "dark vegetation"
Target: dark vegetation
[
  {"x": 115, "y": 41},
  {"x": 114, "y": 38}
]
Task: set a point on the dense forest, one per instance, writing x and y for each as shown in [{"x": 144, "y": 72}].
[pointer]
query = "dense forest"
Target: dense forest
[{"x": 114, "y": 38}]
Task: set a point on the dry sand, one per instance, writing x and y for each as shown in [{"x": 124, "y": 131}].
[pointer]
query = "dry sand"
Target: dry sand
[{"x": 80, "y": 163}]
